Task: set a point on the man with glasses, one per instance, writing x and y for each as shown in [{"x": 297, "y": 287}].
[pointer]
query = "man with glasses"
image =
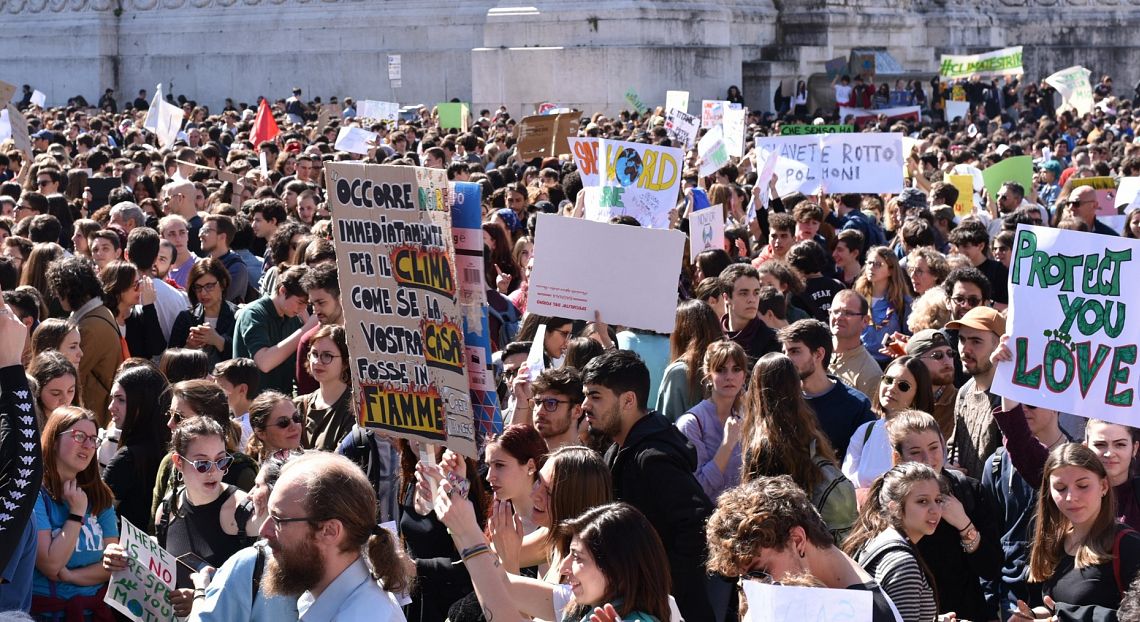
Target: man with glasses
[
  {"x": 932, "y": 348},
  {"x": 31, "y": 203},
  {"x": 557, "y": 403},
  {"x": 216, "y": 233},
  {"x": 49, "y": 180},
  {"x": 1082, "y": 205},
  {"x": 971, "y": 240},
  {"x": 851, "y": 362},
  {"x": 767, "y": 530}
]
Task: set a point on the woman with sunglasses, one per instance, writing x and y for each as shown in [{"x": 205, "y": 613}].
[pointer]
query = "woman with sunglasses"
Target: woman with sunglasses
[
  {"x": 328, "y": 412},
  {"x": 75, "y": 521},
  {"x": 140, "y": 399},
  {"x": 202, "y": 518},
  {"x": 905, "y": 385},
  {"x": 966, "y": 540},
  {"x": 124, "y": 289},
  {"x": 209, "y": 324},
  {"x": 194, "y": 398},
  {"x": 277, "y": 426}
]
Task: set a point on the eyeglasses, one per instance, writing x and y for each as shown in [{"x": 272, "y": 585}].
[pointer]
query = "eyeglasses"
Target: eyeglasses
[
  {"x": 324, "y": 358},
  {"x": 837, "y": 312},
  {"x": 296, "y": 419},
  {"x": 278, "y": 521},
  {"x": 971, "y": 301},
  {"x": 43, "y": 182},
  {"x": 757, "y": 575},
  {"x": 938, "y": 355},
  {"x": 175, "y": 415},
  {"x": 204, "y": 466},
  {"x": 81, "y": 437},
  {"x": 564, "y": 332},
  {"x": 549, "y": 404},
  {"x": 903, "y": 385},
  {"x": 198, "y": 288}
]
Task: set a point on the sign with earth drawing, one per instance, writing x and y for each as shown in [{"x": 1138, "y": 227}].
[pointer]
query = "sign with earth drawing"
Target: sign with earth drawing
[
  {"x": 1074, "y": 345},
  {"x": 624, "y": 178}
]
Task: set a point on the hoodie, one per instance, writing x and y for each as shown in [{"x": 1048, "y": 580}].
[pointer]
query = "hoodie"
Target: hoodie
[{"x": 654, "y": 472}]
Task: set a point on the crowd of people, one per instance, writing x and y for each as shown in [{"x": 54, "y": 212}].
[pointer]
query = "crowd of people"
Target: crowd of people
[{"x": 173, "y": 354}]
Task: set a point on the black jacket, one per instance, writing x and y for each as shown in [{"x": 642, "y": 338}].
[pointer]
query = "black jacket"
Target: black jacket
[
  {"x": 227, "y": 320},
  {"x": 21, "y": 463},
  {"x": 144, "y": 333},
  {"x": 653, "y": 472}
]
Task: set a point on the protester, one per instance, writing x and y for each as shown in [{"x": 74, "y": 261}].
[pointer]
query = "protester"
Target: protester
[
  {"x": 278, "y": 427},
  {"x": 328, "y": 412},
  {"x": 61, "y": 335},
  {"x": 713, "y": 426},
  {"x": 209, "y": 325},
  {"x": 884, "y": 284},
  {"x": 697, "y": 327}
]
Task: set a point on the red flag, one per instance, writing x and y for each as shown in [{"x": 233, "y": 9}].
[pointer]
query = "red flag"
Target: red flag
[{"x": 264, "y": 126}]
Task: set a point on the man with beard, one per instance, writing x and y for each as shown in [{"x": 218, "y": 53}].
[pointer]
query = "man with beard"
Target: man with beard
[
  {"x": 839, "y": 408},
  {"x": 558, "y": 407},
  {"x": 852, "y": 363},
  {"x": 322, "y": 521},
  {"x": 976, "y": 434},
  {"x": 932, "y": 348},
  {"x": 652, "y": 465}
]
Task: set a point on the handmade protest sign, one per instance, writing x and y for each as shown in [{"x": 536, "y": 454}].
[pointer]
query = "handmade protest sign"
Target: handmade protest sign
[
  {"x": 706, "y": 230},
  {"x": 957, "y": 110},
  {"x": 862, "y": 65},
  {"x": 544, "y": 135},
  {"x": 835, "y": 163},
  {"x": 1018, "y": 169},
  {"x": 13, "y": 125},
  {"x": 674, "y": 100},
  {"x": 1105, "y": 193},
  {"x": 964, "y": 206},
  {"x": 802, "y": 129},
  {"x": 629, "y": 273},
  {"x": 1128, "y": 195},
  {"x": 355, "y": 140},
  {"x": 140, "y": 592},
  {"x": 1074, "y": 345},
  {"x": 634, "y": 179},
  {"x": 1004, "y": 62},
  {"x": 682, "y": 127},
  {"x": 712, "y": 152},
  {"x": 39, "y": 98},
  {"x": 377, "y": 110},
  {"x": 793, "y": 603},
  {"x": 835, "y": 67},
  {"x": 397, "y": 266},
  {"x": 454, "y": 115},
  {"x": 862, "y": 116},
  {"x": 6, "y": 93},
  {"x": 712, "y": 112},
  {"x": 1074, "y": 88},
  {"x": 634, "y": 100},
  {"x": 734, "y": 131}
]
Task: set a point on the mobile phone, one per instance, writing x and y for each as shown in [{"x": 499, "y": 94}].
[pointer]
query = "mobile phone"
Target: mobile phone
[{"x": 193, "y": 562}]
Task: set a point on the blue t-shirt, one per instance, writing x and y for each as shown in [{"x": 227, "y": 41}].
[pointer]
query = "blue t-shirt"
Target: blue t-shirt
[
  {"x": 50, "y": 516},
  {"x": 15, "y": 589}
]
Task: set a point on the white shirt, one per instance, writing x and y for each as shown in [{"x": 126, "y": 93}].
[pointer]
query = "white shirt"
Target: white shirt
[
  {"x": 866, "y": 461},
  {"x": 354, "y": 596},
  {"x": 168, "y": 302}
]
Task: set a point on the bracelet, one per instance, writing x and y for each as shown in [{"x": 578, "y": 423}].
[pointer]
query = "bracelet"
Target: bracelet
[
  {"x": 470, "y": 552},
  {"x": 199, "y": 593},
  {"x": 459, "y": 485},
  {"x": 75, "y": 517},
  {"x": 966, "y": 528}
]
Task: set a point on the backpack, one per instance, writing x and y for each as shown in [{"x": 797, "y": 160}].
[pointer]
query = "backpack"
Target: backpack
[
  {"x": 1121, "y": 586},
  {"x": 834, "y": 498},
  {"x": 360, "y": 446},
  {"x": 509, "y": 322}
]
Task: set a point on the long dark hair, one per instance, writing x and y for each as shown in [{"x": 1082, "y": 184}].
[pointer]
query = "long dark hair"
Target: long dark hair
[
  {"x": 117, "y": 277},
  {"x": 144, "y": 425},
  {"x": 98, "y": 493},
  {"x": 695, "y": 329}
]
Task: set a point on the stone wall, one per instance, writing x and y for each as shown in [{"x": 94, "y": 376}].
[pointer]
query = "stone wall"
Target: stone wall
[{"x": 524, "y": 52}]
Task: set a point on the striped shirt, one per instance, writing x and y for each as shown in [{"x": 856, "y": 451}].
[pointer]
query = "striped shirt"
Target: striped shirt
[{"x": 898, "y": 572}]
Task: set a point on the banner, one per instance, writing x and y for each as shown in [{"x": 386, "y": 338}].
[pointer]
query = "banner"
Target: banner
[
  {"x": 682, "y": 127},
  {"x": 627, "y": 273},
  {"x": 734, "y": 131},
  {"x": 1004, "y": 62},
  {"x": 632, "y": 179},
  {"x": 837, "y": 163},
  {"x": 706, "y": 230},
  {"x": 801, "y": 129},
  {"x": 1073, "y": 344},
  {"x": 1018, "y": 169},
  {"x": 862, "y": 116},
  {"x": 355, "y": 140},
  {"x": 467, "y": 234},
  {"x": 964, "y": 206},
  {"x": 141, "y": 592},
  {"x": 544, "y": 135},
  {"x": 378, "y": 111},
  {"x": 792, "y": 603},
  {"x": 1073, "y": 86},
  {"x": 1105, "y": 193},
  {"x": 399, "y": 288},
  {"x": 712, "y": 112},
  {"x": 674, "y": 100}
]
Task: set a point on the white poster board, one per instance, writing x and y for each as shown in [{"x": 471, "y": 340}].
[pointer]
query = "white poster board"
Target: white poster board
[
  {"x": 836, "y": 163},
  {"x": 734, "y": 131},
  {"x": 792, "y": 603},
  {"x": 355, "y": 140},
  {"x": 706, "y": 230},
  {"x": 712, "y": 152},
  {"x": 677, "y": 100},
  {"x": 628, "y": 273},
  {"x": 682, "y": 127},
  {"x": 625, "y": 178},
  {"x": 141, "y": 591}
]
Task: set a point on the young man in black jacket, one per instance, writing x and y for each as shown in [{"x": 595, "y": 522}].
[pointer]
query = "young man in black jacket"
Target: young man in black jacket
[{"x": 652, "y": 465}]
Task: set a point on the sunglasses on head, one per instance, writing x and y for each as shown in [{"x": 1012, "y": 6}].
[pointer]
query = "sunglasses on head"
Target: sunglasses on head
[
  {"x": 903, "y": 385},
  {"x": 204, "y": 466},
  {"x": 288, "y": 421}
]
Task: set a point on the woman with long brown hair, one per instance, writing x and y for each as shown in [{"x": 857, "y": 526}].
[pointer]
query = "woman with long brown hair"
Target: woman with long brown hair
[
  {"x": 696, "y": 328},
  {"x": 713, "y": 425},
  {"x": 124, "y": 289},
  {"x": 781, "y": 436},
  {"x": 885, "y": 286}
]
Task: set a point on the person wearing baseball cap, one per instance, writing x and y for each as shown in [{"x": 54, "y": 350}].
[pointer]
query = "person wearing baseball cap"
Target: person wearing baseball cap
[
  {"x": 976, "y": 435},
  {"x": 933, "y": 348}
]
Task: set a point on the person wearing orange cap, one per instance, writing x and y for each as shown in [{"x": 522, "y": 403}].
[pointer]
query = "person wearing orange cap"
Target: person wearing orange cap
[{"x": 976, "y": 434}]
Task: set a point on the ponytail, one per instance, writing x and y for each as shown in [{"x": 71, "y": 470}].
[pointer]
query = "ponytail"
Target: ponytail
[{"x": 385, "y": 559}]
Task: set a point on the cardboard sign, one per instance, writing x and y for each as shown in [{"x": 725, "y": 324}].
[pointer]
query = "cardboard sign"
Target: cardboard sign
[
  {"x": 863, "y": 116},
  {"x": 355, "y": 140},
  {"x": 329, "y": 112},
  {"x": 734, "y": 131},
  {"x": 835, "y": 67},
  {"x": 712, "y": 112},
  {"x": 1075, "y": 90},
  {"x": 801, "y": 129},
  {"x": 141, "y": 591},
  {"x": 964, "y": 206},
  {"x": 454, "y": 115},
  {"x": 396, "y": 259},
  {"x": 674, "y": 100},
  {"x": 13, "y": 125},
  {"x": 682, "y": 127},
  {"x": 6, "y": 93},
  {"x": 706, "y": 230},
  {"x": 377, "y": 110},
  {"x": 629, "y": 274},
  {"x": 836, "y": 163},
  {"x": 1074, "y": 345},
  {"x": 1018, "y": 169},
  {"x": 1004, "y": 62},
  {"x": 712, "y": 152},
  {"x": 792, "y": 603},
  {"x": 636, "y": 179},
  {"x": 544, "y": 135},
  {"x": 1105, "y": 193}
]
